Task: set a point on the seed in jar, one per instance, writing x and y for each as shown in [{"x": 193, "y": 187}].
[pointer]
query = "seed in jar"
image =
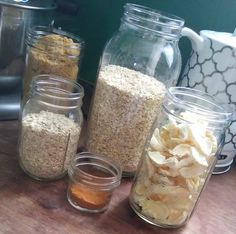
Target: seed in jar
[
  {"x": 48, "y": 142},
  {"x": 126, "y": 103},
  {"x": 51, "y": 54}
]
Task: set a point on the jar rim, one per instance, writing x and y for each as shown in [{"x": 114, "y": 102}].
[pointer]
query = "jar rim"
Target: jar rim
[
  {"x": 153, "y": 19},
  {"x": 51, "y": 87},
  {"x": 99, "y": 161},
  {"x": 155, "y": 12},
  {"x": 36, "y": 32},
  {"x": 210, "y": 109}
]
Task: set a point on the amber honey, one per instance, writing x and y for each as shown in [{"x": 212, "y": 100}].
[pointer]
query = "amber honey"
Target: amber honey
[{"x": 92, "y": 181}]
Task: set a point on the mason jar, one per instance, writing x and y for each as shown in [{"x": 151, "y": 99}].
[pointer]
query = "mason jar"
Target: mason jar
[
  {"x": 138, "y": 63},
  {"x": 50, "y": 127},
  {"x": 92, "y": 181},
  {"x": 51, "y": 51},
  {"x": 179, "y": 157}
]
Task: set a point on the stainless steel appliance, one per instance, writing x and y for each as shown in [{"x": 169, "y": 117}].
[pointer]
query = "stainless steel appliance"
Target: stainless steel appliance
[{"x": 16, "y": 16}]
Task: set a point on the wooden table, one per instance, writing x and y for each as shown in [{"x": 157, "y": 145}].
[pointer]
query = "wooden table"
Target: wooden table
[{"x": 28, "y": 206}]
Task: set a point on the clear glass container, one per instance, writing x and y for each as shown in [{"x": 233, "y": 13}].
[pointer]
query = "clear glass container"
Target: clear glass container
[
  {"x": 138, "y": 62},
  {"x": 50, "y": 127},
  {"x": 179, "y": 157},
  {"x": 92, "y": 180},
  {"x": 51, "y": 51}
]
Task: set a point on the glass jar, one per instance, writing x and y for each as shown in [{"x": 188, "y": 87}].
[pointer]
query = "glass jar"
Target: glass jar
[
  {"x": 139, "y": 61},
  {"x": 51, "y": 51},
  {"x": 179, "y": 157},
  {"x": 50, "y": 127},
  {"x": 92, "y": 180}
]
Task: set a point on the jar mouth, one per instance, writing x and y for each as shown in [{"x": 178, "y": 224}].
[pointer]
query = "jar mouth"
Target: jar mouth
[
  {"x": 57, "y": 91},
  {"x": 157, "y": 21},
  {"x": 84, "y": 166},
  {"x": 73, "y": 50},
  {"x": 206, "y": 107}
]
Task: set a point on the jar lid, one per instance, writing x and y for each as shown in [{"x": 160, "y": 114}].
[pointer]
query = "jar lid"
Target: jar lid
[{"x": 30, "y": 4}]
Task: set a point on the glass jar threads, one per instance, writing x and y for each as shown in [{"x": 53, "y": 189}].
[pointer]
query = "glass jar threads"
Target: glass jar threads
[
  {"x": 92, "y": 180},
  {"x": 50, "y": 127},
  {"x": 139, "y": 61},
  {"x": 179, "y": 157},
  {"x": 51, "y": 51}
]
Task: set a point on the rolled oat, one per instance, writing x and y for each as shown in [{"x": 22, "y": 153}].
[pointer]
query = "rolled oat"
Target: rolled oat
[
  {"x": 125, "y": 105},
  {"x": 48, "y": 142}
]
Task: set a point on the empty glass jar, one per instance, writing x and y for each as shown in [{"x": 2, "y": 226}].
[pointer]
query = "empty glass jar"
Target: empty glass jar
[
  {"x": 179, "y": 157},
  {"x": 138, "y": 62},
  {"x": 50, "y": 127}
]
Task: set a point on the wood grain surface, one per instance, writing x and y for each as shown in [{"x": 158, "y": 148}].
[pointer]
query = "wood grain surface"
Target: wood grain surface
[{"x": 28, "y": 206}]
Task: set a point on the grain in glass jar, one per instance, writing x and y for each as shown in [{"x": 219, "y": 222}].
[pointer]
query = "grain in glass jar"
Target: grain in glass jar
[
  {"x": 179, "y": 157},
  {"x": 138, "y": 63},
  {"x": 51, "y": 51},
  {"x": 50, "y": 127}
]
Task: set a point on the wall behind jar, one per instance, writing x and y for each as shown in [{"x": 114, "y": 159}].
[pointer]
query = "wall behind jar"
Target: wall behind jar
[{"x": 96, "y": 21}]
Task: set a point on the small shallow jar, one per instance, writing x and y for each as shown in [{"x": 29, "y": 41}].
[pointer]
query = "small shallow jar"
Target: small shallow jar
[
  {"x": 51, "y": 51},
  {"x": 138, "y": 62},
  {"x": 50, "y": 127},
  {"x": 179, "y": 157},
  {"x": 92, "y": 180}
]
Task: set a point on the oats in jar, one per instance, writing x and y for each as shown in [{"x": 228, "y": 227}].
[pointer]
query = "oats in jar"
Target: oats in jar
[{"x": 125, "y": 105}]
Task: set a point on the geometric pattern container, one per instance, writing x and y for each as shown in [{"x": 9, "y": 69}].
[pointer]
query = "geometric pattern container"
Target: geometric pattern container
[{"x": 213, "y": 70}]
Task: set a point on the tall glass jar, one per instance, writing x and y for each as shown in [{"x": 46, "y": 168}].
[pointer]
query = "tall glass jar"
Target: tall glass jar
[
  {"x": 50, "y": 127},
  {"x": 179, "y": 157},
  {"x": 51, "y": 51},
  {"x": 140, "y": 60}
]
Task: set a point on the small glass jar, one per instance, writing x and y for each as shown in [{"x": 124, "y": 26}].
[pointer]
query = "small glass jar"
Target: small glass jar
[
  {"x": 51, "y": 51},
  {"x": 179, "y": 157},
  {"x": 50, "y": 127},
  {"x": 92, "y": 180},
  {"x": 138, "y": 62}
]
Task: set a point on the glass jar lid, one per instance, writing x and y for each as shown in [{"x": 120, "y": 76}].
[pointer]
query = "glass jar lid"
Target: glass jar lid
[{"x": 30, "y": 4}]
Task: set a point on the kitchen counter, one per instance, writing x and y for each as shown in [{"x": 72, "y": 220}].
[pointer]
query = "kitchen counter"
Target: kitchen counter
[{"x": 29, "y": 206}]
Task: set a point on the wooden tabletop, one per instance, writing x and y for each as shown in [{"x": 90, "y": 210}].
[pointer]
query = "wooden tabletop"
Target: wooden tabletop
[{"x": 29, "y": 206}]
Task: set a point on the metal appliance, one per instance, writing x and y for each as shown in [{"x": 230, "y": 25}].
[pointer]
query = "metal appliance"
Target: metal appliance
[{"x": 16, "y": 16}]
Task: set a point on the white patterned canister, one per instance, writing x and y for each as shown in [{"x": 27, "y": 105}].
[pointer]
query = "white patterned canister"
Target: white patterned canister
[{"x": 212, "y": 68}]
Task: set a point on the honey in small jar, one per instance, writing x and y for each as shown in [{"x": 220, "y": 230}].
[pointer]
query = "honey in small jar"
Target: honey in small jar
[{"x": 92, "y": 181}]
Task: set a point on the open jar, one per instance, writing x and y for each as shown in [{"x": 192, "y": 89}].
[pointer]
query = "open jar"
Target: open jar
[
  {"x": 138, "y": 63},
  {"x": 50, "y": 127},
  {"x": 51, "y": 51},
  {"x": 179, "y": 157},
  {"x": 92, "y": 180}
]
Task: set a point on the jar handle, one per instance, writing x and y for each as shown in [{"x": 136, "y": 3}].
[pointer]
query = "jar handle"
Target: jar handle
[{"x": 196, "y": 40}]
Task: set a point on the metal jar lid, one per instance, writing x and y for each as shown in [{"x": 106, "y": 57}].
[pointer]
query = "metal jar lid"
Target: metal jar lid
[{"x": 30, "y": 4}]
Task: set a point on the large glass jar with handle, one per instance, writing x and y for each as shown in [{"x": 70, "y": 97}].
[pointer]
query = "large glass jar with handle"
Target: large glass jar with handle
[{"x": 138, "y": 63}]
